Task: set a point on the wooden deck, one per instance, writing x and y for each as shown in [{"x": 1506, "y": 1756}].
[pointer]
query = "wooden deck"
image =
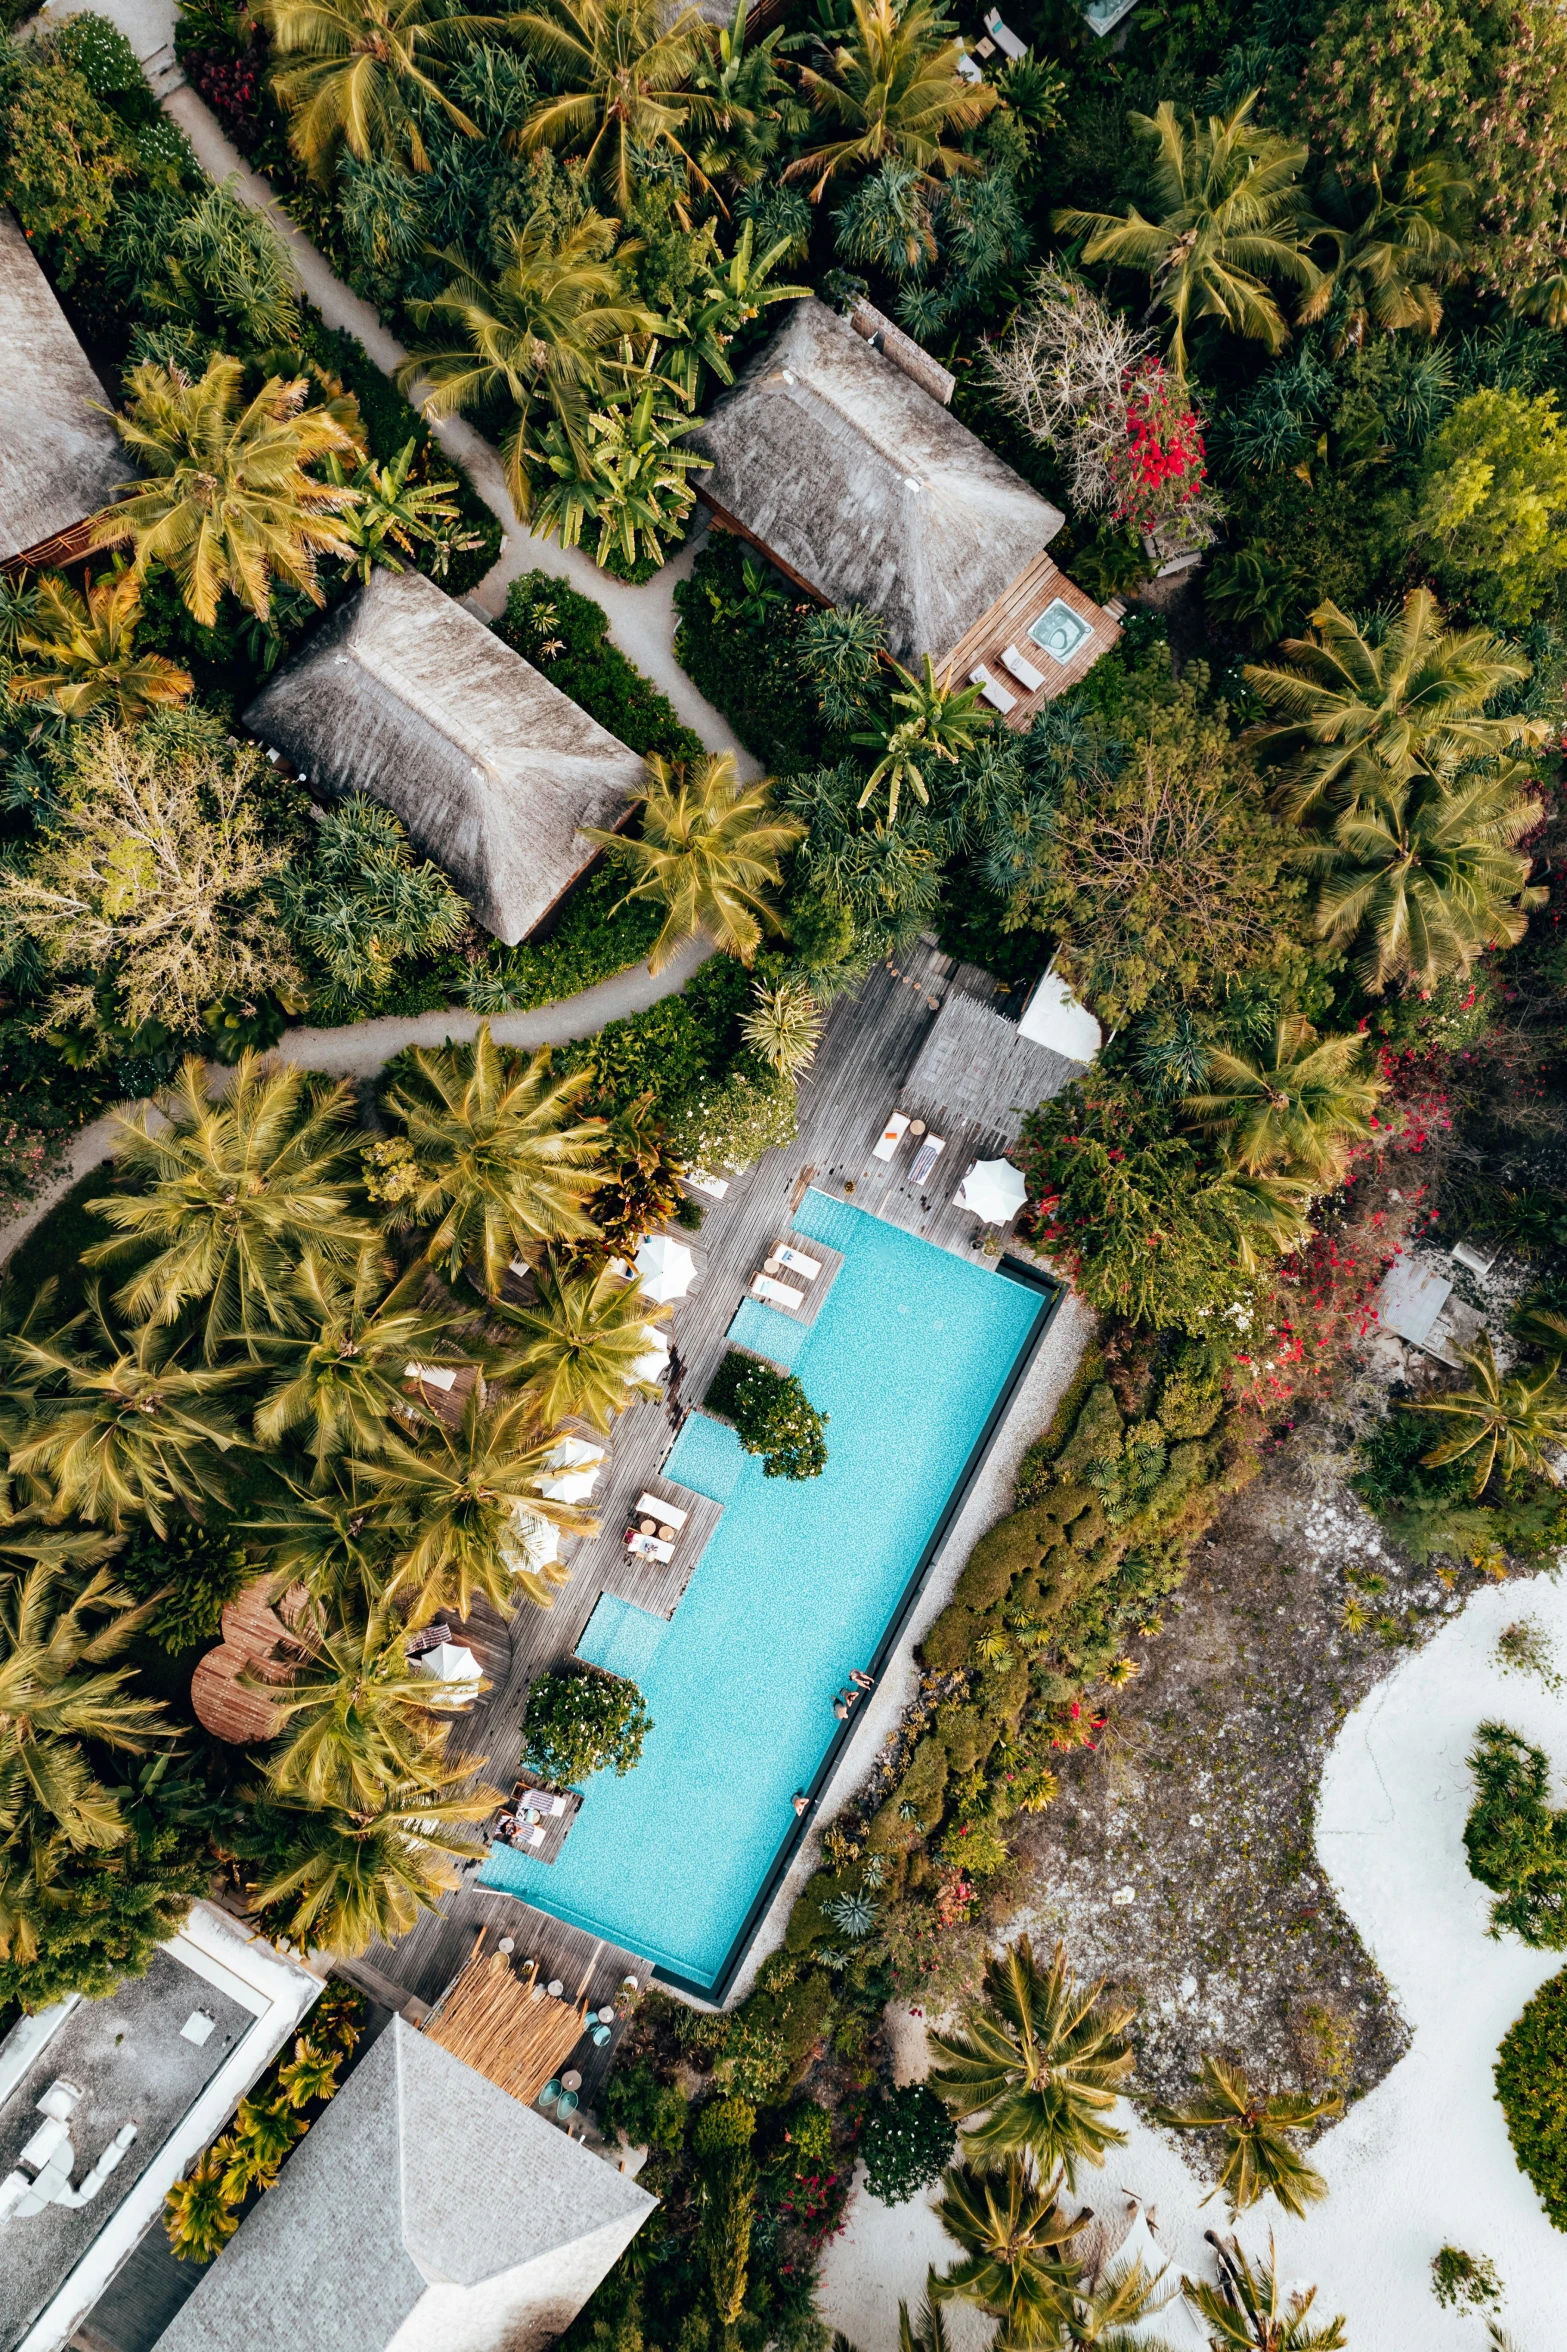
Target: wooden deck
[
  {"x": 1007, "y": 623},
  {"x": 870, "y": 1044}
]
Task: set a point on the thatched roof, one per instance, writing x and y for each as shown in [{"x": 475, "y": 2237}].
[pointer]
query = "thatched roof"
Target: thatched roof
[
  {"x": 864, "y": 488},
  {"x": 59, "y": 458},
  {"x": 977, "y": 1069},
  {"x": 404, "y": 695}
]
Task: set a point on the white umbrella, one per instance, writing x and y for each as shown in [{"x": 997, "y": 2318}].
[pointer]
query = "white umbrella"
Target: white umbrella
[
  {"x": 449, "y": 1662},
  {"x": 568, "y": 1486},
  {"x": 573, "y": 1453},
  {"x": 994, "y": 1190},
  {"x": 651, "y": 1366},
  {"x": 667, "y": 1268},
  {"x": 531, "y": 1542}
]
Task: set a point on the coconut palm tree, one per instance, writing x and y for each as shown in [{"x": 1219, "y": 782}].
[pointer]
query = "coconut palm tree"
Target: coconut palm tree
[
  {"x": 79, "y": 655},
  {"x": 1390, "y": 263},
  {"x": 1230, "y": 215},
  {"x": 501, "y": 1163},
  {"x": 1258, "y": 2128},
  {"x": 1250, "y": 2310},
  {"x": 582, "y": 1339},
  {"x": 1354, "y": 718},
  {"x": 58, "y": 1695},
  {"x": 230, "y": 1196},
  {"x": 927, "y": 2331},
  {"x": 342, "y": 1377},
  {"x": 1298, "y": 1105},
  {"x": 463, "y": 1495},
  {"x": 544, "y": 327},
  {"x": 622, "y": 71},
  {"x": 1039, "y": 2059},
  {"x": 356, "y": 73},
  {"x": 708, "y": 852},
  {"x": 891, "y": 87},
  {"x": 346, "y": 1880},
  {"x": 784, "y": 1025},
  {"x": 1015, "y": 2239},
  {"x": 1428, "y": 877},
  {"x": 360, "y": 1717},
  {"x": 225, "y": 498},
  {"x": 124, "y": 1430},
  {"x": 1505, "y": 1424},
  {"x": 340, "y": 1544},
  {"x": 943, "y": 720}
]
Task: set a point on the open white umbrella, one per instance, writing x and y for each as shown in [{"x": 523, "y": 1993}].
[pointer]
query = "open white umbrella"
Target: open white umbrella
[
  {"x": 993, "y": 1190},
  {"x": 450, "y": 1663},
  {"x": 652, "y": 1364},
  {"x": 568, "y": 1486},
  {"x": 530, "y": 1543},
  {"x": 667, "y": 1268},
  {"x": 573, "y": 1453}
]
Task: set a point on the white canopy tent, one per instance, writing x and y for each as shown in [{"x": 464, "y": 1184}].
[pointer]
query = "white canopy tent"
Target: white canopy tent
[
  {"x": 531, "y": 1543},
  {"x": 993, "y": 1190},
  {"x": 666, "y": 1267},
  {"x": 652, "y": 1364},
  {"x": 453, "y": 1666}
]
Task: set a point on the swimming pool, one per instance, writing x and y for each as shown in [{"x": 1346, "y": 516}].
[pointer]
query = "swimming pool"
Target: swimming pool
[{"x": 799, "y": 1583}]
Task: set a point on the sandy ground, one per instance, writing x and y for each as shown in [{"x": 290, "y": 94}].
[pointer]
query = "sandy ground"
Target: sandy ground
[{"x": 1424, "y": 2159}]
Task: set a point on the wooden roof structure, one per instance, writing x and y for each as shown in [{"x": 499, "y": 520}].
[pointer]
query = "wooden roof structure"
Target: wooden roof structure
[
  {"x": 61, "y": 460},
  {"x": 233, "y": 1709},
  {"x": 976, "y": 1069},
  {"x": 505, "y": 2025}
]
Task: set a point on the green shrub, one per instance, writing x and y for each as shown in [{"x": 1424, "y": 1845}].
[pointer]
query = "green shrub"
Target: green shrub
[
  {"x": 1464, "y": 2282},
  {"x": 596, "y": 934},
  {"x": 581, "y": 1721},
  {"x": 725, "y": 2128},
  {"x": 62, "y": 156},
  {"x": 199, "y": 1570},
  {"x": 771, "y": 2038},
  {"x": 729, "y": 1123},
  {"x": 1531, "y": 2083},
  {"x": 907, "y": 2142},
  {"x": 810, "y": 2137},
  {"x": 641, "y": 2110},
  {"x": 1516, "y": 1845},
  {"x": 738, "y": 648},
  {"x": 772, "y": 1416},
  {"x": 566, "y": 635},
  {"x": 673, "y": 1047}
]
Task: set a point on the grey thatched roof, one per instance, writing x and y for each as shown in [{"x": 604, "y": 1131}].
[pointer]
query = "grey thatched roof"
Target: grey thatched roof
[
  {"x": 59, "y": 459},
  {"x": 975, "y": 1069},
  {"x": 865, "y": 488},
  {"x": 403, "y": 694},
  {"x": 420, "y": 2175}
]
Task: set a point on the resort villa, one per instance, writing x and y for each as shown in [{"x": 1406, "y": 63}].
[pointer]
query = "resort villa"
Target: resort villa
[
  {"x": 60, "y": 456},
  {"x": 836, "y": 453}
]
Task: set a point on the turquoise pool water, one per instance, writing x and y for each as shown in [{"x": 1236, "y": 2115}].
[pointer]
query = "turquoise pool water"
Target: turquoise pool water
[{"x": 797, "y": 1585}]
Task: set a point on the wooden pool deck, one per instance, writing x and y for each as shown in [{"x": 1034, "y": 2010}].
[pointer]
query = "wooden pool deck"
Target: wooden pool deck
[{"x": 870, "y": 1044}]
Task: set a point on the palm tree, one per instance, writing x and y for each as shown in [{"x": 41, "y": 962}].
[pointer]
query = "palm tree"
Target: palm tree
[
  {"x": 1015, "y": 2240},
  {"x": 707, "y": 852},
  {"x": 345, "y": 1374},
  {"x": 1504, "y": 1424},
  {"x": 623, "y": 73},
  {"x": 784, "y": 1026},
  {"x": 1430, "y": 876},
  {"x": 1390, "y": 262},
  {"x": 57, "y": 1692},
  {"x": 1040, "y": 2059},
  {"x": 539, "y": 329},
  {"x": 582, "y": 1341},
  {"x": 230, "y": 1197},
  {"x": 927, "y": 2331},
  {"x": 501, "y": 1163},
  {"x": 1355, "y": 717},
  {"x": 1108, "y": 2317},
  {"x": 705, "y": 320},
  {"x": 124, "y": 1430},
  {"x": 1250, "y": 2311},
  {"x": 943, "y": 721},
  {"x": 365, "y": 69},
  {"x": 79, "y": 653},
  {"x": 622, "y": 470},
  {"x": 891, "y": 87},
  {"x": 1296, "y": 1107},
  {"x": 361, "y": 1717},
  {"x": 346, "y": 1880},
  {"x": 230, "y": 503},
  {"x": 1231, "y": 214},
  {"x": 339, "y": 1544},
  {"x": 463, "y": 1496},
  {"x": 1258, "y": 2129}
]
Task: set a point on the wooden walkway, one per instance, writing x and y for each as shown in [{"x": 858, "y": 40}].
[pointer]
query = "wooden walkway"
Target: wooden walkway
[{"x": 869, "y": 1046}]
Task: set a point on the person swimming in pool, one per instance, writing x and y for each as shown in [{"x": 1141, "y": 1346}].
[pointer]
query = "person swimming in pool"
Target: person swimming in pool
[
  {"x": 862, "y": 1680},
  {"x": 840, "y": 1708}
]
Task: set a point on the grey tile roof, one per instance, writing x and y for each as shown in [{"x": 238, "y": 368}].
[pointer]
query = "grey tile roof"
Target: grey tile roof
[
  {"x": 975, "y": 1069},
  {"x": 419, "y": 2174},
  {"x": 404, "y": 695},
  {"x": 865, "y": 487},
  {"x": 59, "y": 459}
]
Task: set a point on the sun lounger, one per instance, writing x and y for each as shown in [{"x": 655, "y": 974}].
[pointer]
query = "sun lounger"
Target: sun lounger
[
  {"x": 430, "y": 1375},
  {"x": 997, "y": 696},
  {"x": 1025, "y": 673},
  {"x": 650, "y": 1507},
  {"x": 798, "y": 1262},
  {"x": 776, "y": 1294},
  {"x": 537, "y": 1800},
  {"x": 929, "y": 1153},
  {"x": 535, "y": 1836},
  {"x": 892, "y": 1135},
  {"x": 648, "y": 1547},
  {"x": 699, "y": 1181},
  {"x": 1004, "y": 37},
  {"x": 967, "y": 68}
]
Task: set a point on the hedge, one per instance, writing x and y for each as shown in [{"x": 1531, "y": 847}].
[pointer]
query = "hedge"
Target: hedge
[
  {"x": 566, "y": 635},
  {"x": 1531, "y": 2083}
]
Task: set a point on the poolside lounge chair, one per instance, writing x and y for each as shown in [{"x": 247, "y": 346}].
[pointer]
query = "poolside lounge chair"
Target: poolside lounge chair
[
  {"x": 797, "y": 1262},
  {"x": 892, "y": 1135},
  {"x": 651, "y": 1506},
  {"x": 1025, "y": 673},
  {"x": 926, "y": 1157},
  {"x": 1004, "y": 37},
  {"x": 997, "y": 696},
  {"x": 431, "y": 1375},
  {"x": 776, "y": 1294},
  {"x": 967, "y": 68}
]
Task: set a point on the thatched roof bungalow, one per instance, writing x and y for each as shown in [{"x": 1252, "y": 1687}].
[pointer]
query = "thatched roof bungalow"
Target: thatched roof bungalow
[
  {"x": 60, "y": 457},
  {"x": 404, "y": 695},
  {"x": 835, "y": 453}
]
